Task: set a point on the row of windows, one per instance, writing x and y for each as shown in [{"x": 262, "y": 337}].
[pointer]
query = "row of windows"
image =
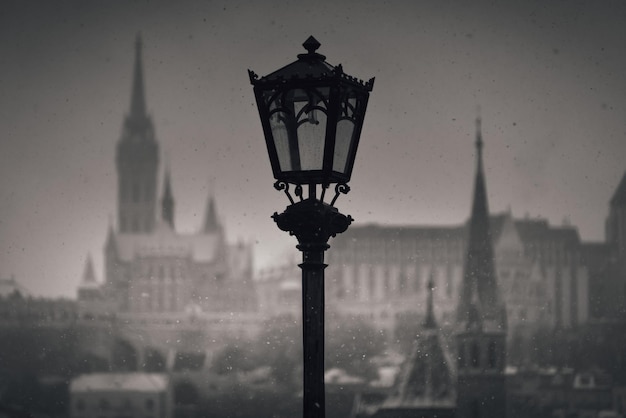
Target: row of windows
[
  {"x": 444, "y": 249},
  {"x": 136, "y": 193},
  {"x": 160, "y": 271},
  {"x": 364, "y": 285},
  {"x": 136, "y": 223},
  {"x": 160, "y": 300}
]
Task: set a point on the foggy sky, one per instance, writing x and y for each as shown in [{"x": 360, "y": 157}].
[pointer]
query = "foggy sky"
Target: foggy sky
[{"x": 548, "y": 77}]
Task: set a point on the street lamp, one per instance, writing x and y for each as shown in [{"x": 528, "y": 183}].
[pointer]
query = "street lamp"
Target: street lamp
[{"x": 312, "y": 114}]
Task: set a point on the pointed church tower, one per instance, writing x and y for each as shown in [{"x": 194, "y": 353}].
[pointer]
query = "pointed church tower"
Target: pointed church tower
[
  {"x": 167, "y": 201},
  {"x": 137, "y": 161},
  {"x": 481, "y": 315},
  {"x": 89, "y": 277},
  {"x": 426, "y": 385},
  {"x": 616, "y": 222},
  {"x": 89, "y": 289},
  {"x": 211, "y": 223}
]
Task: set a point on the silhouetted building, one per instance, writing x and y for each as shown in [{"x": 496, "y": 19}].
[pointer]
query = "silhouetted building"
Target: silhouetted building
[
  {"x": 427, "y": 388},
  {"x": 607, "y": 263},
  {"x": 481, "y": 316}
]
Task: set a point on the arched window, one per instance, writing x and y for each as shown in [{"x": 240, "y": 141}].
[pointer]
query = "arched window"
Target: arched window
[
  {"x": 492, "y": 355},
  {"x": 372, "y": 283},
  {"x": 402, "y": 279},
  {"x": 386, "y": 281},
  {"x": 417, "y": 280},
  {"x": 475, "y": 354},
  {"x": 449, "y": 280}
]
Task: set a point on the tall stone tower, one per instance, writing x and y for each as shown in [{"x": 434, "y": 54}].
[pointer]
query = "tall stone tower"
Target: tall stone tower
[
  {"x": 481, "y": 315},
  {"x": 616, "y": 222},
  {"x": 137, "y": 161}
]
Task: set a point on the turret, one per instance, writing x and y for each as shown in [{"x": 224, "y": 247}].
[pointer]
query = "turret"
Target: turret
[
  {"x": 167, "y": 201},
  {"x": 89, "y": 289},
  {"x": 616, "y": 222},
  {"x": 211, "y": 223}
]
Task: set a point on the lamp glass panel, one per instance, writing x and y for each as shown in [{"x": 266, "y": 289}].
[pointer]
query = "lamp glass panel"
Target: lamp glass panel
[
  {"x": 311, "y": 132},
  {"x": 281, "y": 140},
  {"x": 343, "y": 140}
]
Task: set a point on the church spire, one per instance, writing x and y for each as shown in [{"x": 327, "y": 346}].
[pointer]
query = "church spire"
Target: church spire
[
  {"x": 137, "y": 161},
  {"x": 211, "y": 223},
  {"x": 481, "y": 315},
  {"x": 138, "y": 100},
  {"x": 89, "y": 276},
  {"x": 167, "y": 202},
  {"x": 480, "y": 293}
]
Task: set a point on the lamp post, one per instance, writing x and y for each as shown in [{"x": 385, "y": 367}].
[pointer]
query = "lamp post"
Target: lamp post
[{"x": 312, "y": 114}]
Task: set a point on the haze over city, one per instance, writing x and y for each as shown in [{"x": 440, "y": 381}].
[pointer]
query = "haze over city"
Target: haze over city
[{"x": 547, "y": 76}]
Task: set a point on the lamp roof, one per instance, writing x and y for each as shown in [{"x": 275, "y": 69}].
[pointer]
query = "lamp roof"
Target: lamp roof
[{"x": 309, "y": 66}]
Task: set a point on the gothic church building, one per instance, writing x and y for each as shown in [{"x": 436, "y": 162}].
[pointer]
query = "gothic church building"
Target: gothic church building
[{"x": 150, "y": 268}]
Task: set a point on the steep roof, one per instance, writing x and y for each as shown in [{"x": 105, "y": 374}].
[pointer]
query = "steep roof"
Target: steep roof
[
  {"x": 211, "y": 222},
  {"x": 538, "y": 230},
  {"x": 89, "y": 276},
  {"x": 426, "y": 381},
  {"x": 619, "y": 197}
]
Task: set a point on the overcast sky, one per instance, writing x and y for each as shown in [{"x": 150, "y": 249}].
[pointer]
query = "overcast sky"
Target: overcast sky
[{"x": 547, "y": 75}]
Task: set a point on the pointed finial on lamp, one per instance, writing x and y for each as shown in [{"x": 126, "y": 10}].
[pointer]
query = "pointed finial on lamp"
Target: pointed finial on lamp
[{"x": 311, "y": 45}]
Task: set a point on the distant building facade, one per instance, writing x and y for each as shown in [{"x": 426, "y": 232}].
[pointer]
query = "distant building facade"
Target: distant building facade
[{"x": 378, "y": 272}]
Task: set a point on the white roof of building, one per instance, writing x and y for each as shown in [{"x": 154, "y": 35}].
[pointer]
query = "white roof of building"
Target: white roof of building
[
  {"x": 200, "y": 247},
  {"x": 119, "y": 382}
]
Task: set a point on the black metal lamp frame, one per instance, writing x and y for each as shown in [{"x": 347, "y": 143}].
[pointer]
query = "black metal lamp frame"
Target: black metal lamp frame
[{"x": 312, "y": 221}]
